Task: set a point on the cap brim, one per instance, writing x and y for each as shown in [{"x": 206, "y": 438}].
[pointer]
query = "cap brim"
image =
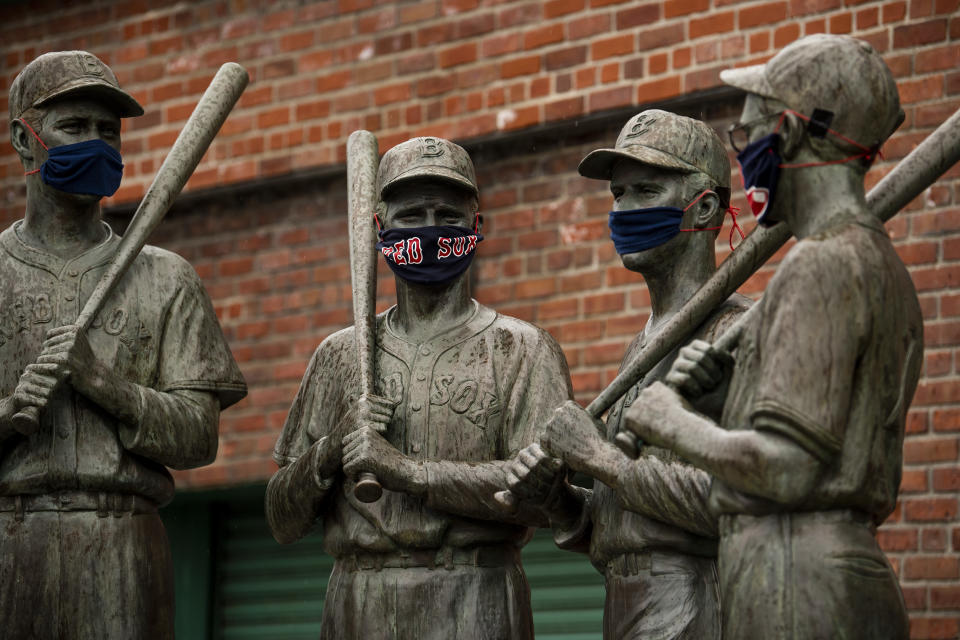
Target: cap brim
[
  {"x": 599, "y": 164},
  {"x": 431, "y": 173},
  {"x": 125, "y": 104},
  {"x": 752, "y": 79}
]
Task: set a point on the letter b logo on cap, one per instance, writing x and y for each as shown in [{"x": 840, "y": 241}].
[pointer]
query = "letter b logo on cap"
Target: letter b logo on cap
[
  {"x": 430, "y": 148},
  {"x": 90, "y": 65}
]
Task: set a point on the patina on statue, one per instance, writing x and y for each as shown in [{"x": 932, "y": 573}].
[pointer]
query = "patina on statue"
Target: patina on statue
[
  {"x": 807, "y": 457},
  {"x": 647, "y": 527},
  {"x": 460, "y": 390},
  {"x": 83, "y": 553}
]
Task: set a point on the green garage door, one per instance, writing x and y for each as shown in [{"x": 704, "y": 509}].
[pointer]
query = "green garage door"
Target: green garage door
[{"x": 260, "y": 589}]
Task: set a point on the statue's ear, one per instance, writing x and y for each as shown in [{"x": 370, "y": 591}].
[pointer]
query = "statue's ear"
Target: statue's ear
[
  {"x": 705, "y": 210},
  {"x": 792, "y": 130},
  {"x": 20, "y": 139}
]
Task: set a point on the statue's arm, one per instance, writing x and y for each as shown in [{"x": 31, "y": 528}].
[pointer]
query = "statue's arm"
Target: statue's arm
[
  {"x": 295, "y": 494},
  {"x": 757, "y": 461},
  {"x": 670, "y": 492}
]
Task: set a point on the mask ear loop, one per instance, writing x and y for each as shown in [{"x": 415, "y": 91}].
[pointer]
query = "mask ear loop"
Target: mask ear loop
[
  {"x": 376, "y": 219},
  {"x": 476, "y": 222},
  {"x": 30, "y": 129},
  {"x": 869, "y": 154},
  {"x": 733, "y": 211}
]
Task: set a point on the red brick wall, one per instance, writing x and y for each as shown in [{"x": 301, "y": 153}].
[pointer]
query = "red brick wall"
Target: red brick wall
[{"x": 499, "y": 76}]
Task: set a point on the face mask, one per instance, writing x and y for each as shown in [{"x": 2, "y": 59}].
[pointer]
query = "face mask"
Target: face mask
[
  {"x": 91, "y": 167},
  {"x": 760, "y": 171},
  {"x": 641, "y": 229},
  {"x": 429, "y": 255},
  {"x": 760, "y": 165}
]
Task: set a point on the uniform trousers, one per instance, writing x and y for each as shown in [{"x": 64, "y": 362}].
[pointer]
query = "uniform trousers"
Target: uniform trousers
[
  {"x": 661, "y": 596},
  {"x": 77, "y": 575},
  {"x": 807, "y": 576},
  {"x": 456, "y": 601}
]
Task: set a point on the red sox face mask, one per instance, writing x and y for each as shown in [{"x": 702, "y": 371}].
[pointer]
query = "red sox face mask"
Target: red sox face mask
[{"x": 429, "y": 255}]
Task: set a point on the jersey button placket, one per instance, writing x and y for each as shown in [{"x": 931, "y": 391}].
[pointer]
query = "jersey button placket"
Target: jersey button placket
[{"x": 418, "y": 432}]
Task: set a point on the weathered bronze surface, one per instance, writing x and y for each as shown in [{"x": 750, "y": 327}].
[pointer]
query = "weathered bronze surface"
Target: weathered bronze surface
[
  {"x": 807, "y": 457},
  {"x": 460, "y": 390},
  {"x": 83, "y": 553},
  {"x": 647, "y": 527}
]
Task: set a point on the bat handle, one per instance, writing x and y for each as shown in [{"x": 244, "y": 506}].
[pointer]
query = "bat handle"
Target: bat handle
[
  {"x": 627, "y": 442},
  {"x": 367, "y": 489},
  {"x": 26, "y": 420},
  {"x": 507, "y": 500}
]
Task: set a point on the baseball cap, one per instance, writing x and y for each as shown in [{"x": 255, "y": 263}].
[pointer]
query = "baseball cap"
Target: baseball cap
[
  {"x": 663, "y": 139},
  {"x": 834, "y": 73},
  {"x": 426, "y": 157},
  {"x": 60, "y": 73}
]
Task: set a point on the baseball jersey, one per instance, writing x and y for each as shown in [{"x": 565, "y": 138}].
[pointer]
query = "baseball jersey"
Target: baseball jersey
[
  {"x": 467, "y": 400},
  {"x": 832, "y": 365},
  {"x": 157, "y": 329}
]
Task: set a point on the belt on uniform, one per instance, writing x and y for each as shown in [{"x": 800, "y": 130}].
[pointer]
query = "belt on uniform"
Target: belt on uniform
[
  {"x": 104, "y": 503},
  {"x": 445, "y": 557},
  {"x": 629, "y": 564},
  {"x": 731, "y": 523}
]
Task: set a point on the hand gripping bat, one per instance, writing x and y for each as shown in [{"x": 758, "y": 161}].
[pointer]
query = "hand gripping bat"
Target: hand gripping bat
[{"x": 204, "y": 123}]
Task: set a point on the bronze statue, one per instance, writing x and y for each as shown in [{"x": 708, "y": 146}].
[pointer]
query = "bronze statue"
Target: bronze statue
[
  {"x": 460, "y": 390},
  {"x": 83, "y": 552},
  {"x": 806, "y": 460},
  {"x": 647, "y": 528}
]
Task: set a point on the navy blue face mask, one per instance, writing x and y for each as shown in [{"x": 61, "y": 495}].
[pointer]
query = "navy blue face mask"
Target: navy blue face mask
[
  {"x": 760, "y": 170},
  {"x": 641, "y": 229},
  {"x": 429, "y": 255},
  {"x": 91, "y": 167}
]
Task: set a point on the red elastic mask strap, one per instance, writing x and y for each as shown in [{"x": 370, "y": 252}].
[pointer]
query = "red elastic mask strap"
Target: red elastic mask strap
[
  {"x": 476, "y": 222},
  {"x": 869, "y": 154},
  {"x": 377, "y": 220},
  {"x": 30, "y": 129},
  {"x": 733, "y": 211}
]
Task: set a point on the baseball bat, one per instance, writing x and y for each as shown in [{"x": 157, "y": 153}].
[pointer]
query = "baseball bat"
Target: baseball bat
[
  {"x": 362, "y": 161},
  {"x": 928, "y": 161},
  {"x": 202, "y": 126}
]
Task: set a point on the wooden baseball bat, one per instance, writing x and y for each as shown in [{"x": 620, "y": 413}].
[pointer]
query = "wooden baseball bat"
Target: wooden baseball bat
[
  {"x": 202, "y": 126},
  {"x": 362, "y": 161},
  {"x": 927, "y": 162}
]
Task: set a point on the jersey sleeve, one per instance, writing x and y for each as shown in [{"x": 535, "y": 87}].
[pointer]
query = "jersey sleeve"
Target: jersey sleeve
[
  {"x": 542, "y": 384},
  {"x": 809, "y": 341},
  {"x": 194, "y": 353}
]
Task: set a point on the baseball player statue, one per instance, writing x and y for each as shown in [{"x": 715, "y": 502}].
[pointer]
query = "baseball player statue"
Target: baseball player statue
[
  {"x": 645, "y": 525},
  {"x": 460, "y": 390},
  {"x": 83, "y": 553},
  {"x": 806, "y": 460}
]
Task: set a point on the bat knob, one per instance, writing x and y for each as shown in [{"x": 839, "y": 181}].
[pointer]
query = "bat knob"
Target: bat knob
[
  {"x": 627, "y": 442},
  {"x": 26, "y": 420},
  {"x": 367, "y": 488},
  {"x": 507, "y": 500}
]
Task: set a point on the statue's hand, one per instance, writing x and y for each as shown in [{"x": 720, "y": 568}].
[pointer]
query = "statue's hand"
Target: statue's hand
[
  {"x": 649, "y": 415},
  {"x": 699, "y": 369},
  {"x": 372, "y": 412},
  {"x": 574, "y": 436},
  {"x": 36, "y": 385},
  {"x": 366, "y": 450},
  {"x": 534, "y": 476},
  {"x": 68, "y": 350}
]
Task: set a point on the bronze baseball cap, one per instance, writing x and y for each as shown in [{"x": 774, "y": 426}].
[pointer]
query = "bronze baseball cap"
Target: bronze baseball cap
[
  {"x": 835, "y": 73},
  {"x": 75, "y": 73},
  {"x": 426, "y": 157},
  {"x": 663, "y": 139}
]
